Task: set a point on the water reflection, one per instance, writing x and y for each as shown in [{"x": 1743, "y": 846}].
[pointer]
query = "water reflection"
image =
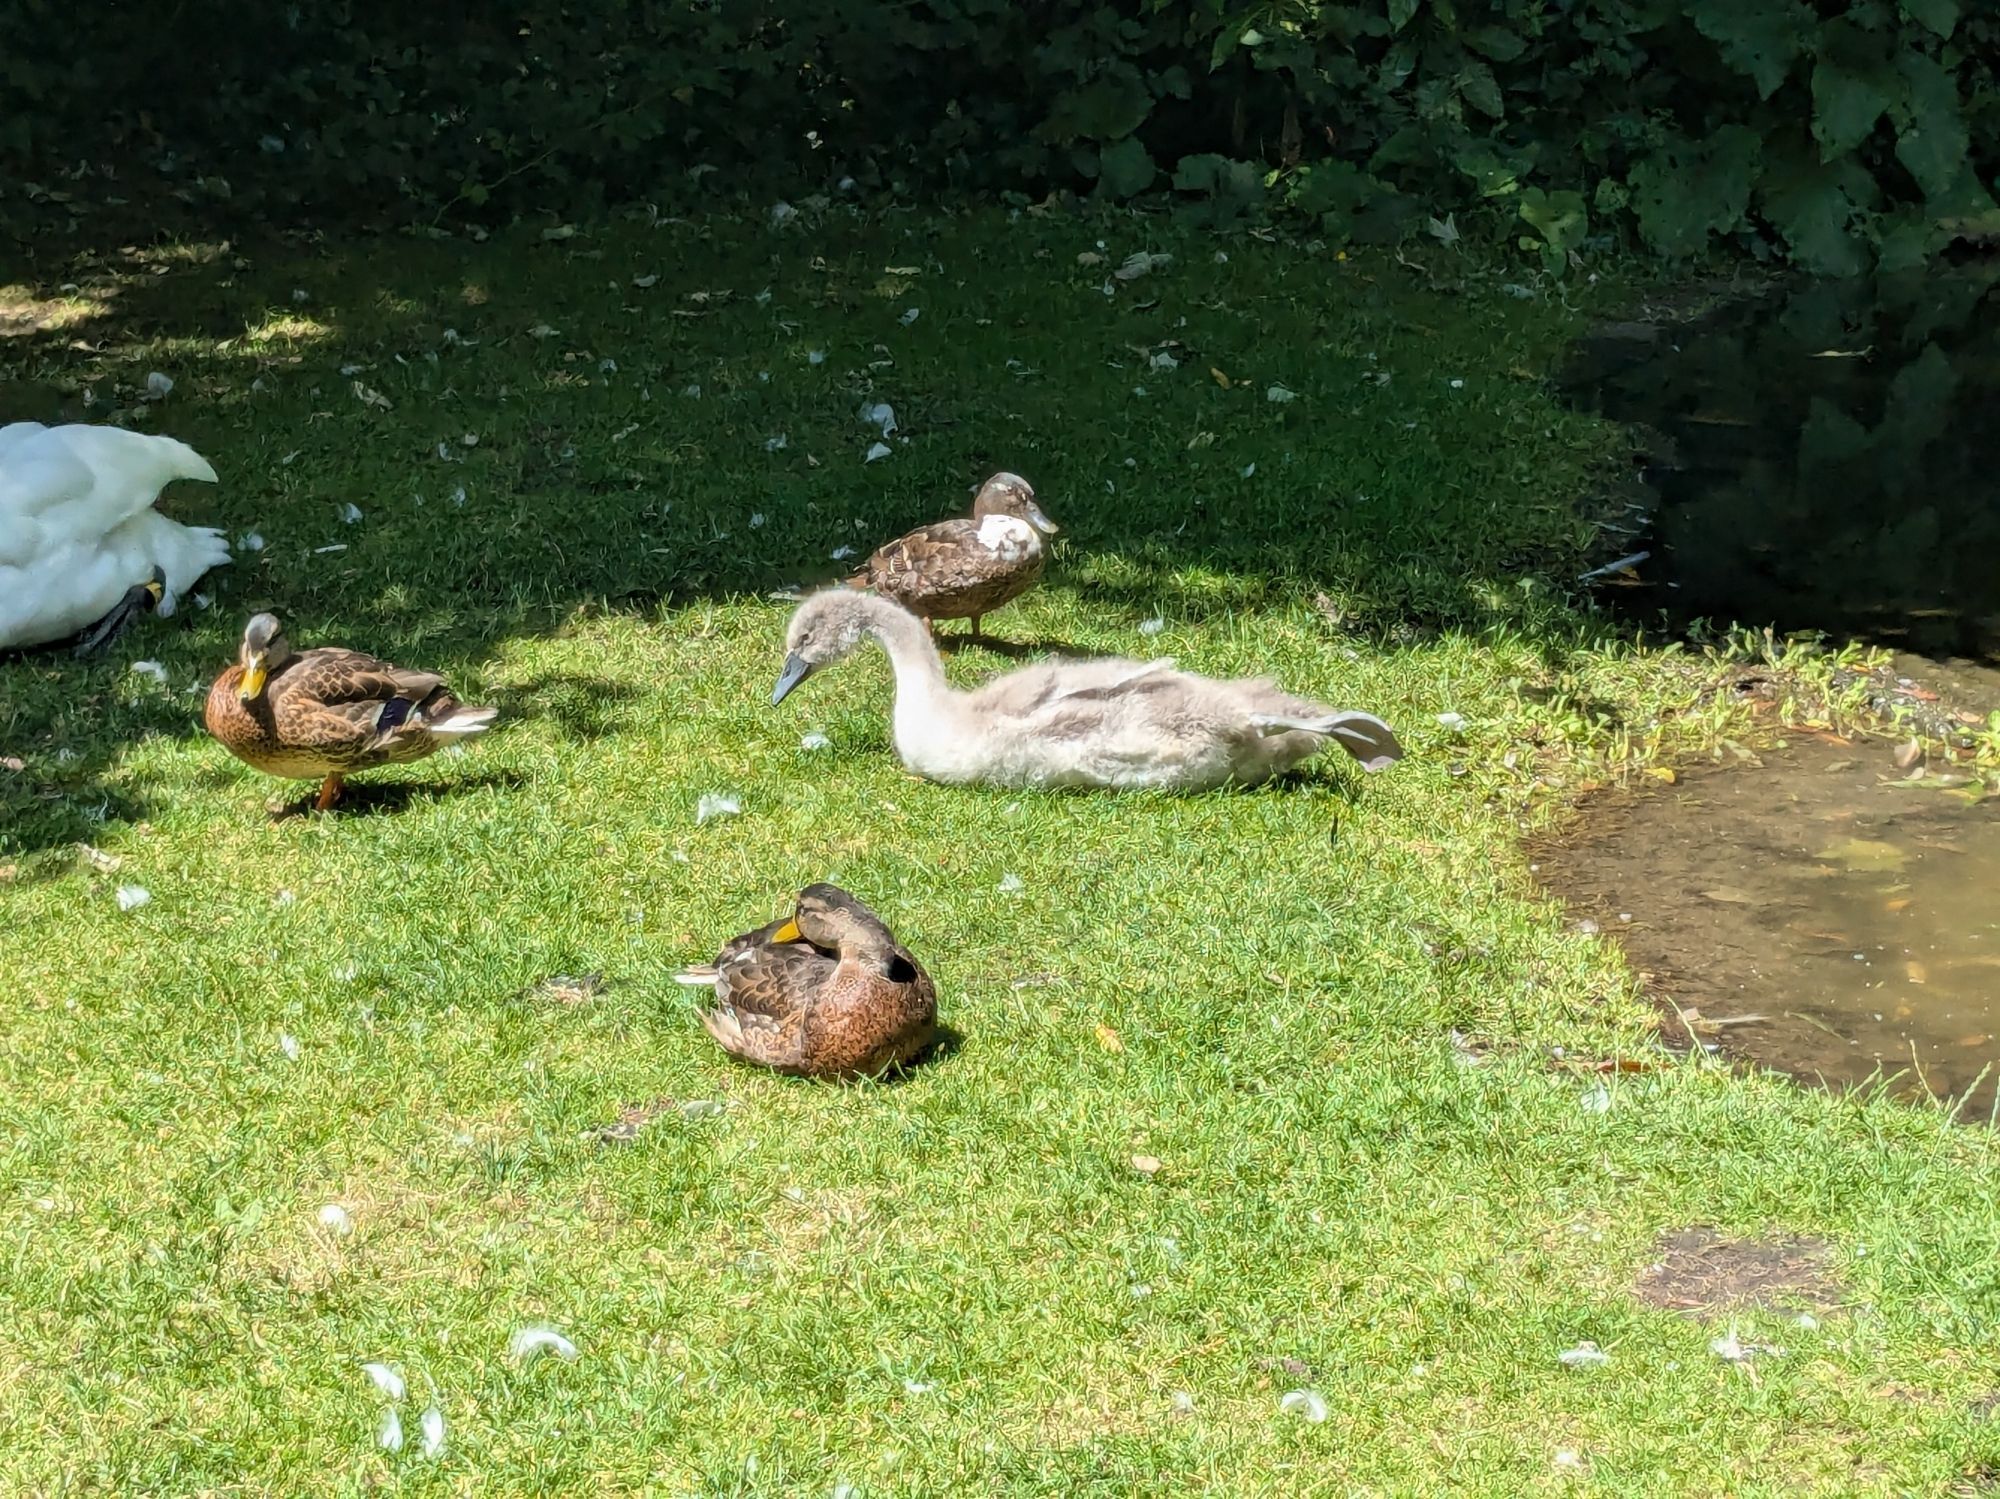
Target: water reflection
[{"x": 1821, "y": 458}]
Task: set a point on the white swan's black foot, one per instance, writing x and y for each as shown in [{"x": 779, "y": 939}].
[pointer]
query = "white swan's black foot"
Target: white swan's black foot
[{"x": 139, "y": 598}]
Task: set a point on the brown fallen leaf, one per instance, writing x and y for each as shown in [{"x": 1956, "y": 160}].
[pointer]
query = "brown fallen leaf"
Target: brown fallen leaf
[
  {"x": 568, "y": 989},
  {"x": 1976, "y": 1040},
  {"x": 1730, "y": 895},
  {"x": 632, "y": 1118},
  {"x": 1109, "y": 1039},
  {"x": 1916, "y": 973},
  {"x": 1909, "y": 753},
  {"x": 1220, "y": 378},
  {"x": 1900, "y": 903}
]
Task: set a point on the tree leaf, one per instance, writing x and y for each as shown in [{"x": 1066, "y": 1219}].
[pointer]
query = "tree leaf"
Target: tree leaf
[
  {"x": 1501, "y": 43},
  {"x": 1940, "y": 16},
  {"x": 1852, "y": 88},
  {"x": 1497, "y": 172},
  {"x": 1332, "y": 191},
  {"x": 1813, "y": 206},
  {"x": 1760, "y": 40},
  {"x": 1104, "y": 109},
  {"x": 1560, "y": 217},
  {"x": 1231, "y": 187},
  {"x": 1481, "y": 89},
  {"x": 1125, "y": 168},
  {"x": 1830, "y": 439},
  {"x": 1401, "y": 12},
  {"x": 1931, "y": 139},
  {"x": 1687, "y": 192}
]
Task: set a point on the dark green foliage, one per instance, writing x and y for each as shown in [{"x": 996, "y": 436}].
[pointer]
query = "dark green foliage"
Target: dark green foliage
[{"x": 1827, "y": 133}]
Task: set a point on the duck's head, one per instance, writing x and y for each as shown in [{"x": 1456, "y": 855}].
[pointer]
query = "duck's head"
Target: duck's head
[
  {"x": 263, "y": 651},
  {"x": 824, "y": 628},
  {"x": 1010, "y": 494},
  {"x": 829, "y": 917}
]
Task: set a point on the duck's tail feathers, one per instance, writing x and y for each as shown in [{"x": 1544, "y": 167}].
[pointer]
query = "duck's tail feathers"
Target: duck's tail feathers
[
  {"x": 463, "y": 723},
  {"x": 698, "y": 975},
  {"x": 721, "y": 1023},
  {"x": 1362, "y": 735}
]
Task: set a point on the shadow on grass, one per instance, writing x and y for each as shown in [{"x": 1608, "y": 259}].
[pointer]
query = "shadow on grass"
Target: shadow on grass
[
  {"x": 530, "y": 433},
  {"x": 1013, "y": 650},
  {"x": 583, "y": 708},
  {"x": 371, "y": 798}
]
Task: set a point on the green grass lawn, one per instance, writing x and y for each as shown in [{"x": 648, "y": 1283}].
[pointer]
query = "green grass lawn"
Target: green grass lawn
[{"x": 581, "y": 463}]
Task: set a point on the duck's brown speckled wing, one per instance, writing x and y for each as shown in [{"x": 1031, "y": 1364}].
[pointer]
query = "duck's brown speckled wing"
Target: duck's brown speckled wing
[
  {"x": 777, "y": 980},
  {"x": 765, "y": 993},
  {"x": 352, "y": 707},
  {"x": 943, "y": 571}
]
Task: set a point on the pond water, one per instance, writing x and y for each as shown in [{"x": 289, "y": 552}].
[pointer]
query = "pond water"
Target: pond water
[
  {"x": 1816, "y": 912},
  {"x": 1821, "y": 458}
]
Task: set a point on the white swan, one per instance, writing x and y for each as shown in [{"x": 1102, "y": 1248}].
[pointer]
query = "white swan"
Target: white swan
[
  {"x": 1106, "y": 723},
  {"x": 81, "y": 546}
]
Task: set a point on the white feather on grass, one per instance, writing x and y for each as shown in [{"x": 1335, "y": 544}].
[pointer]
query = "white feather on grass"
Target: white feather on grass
[
  {"x": 385, "y": 1379},
  {"x": 1308, "y": 1403},
  {"x": 530, "y": 1343}
]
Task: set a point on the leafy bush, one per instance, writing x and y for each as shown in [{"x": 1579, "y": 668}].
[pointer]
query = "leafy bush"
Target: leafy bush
[{"x": 1828, "y": 134}]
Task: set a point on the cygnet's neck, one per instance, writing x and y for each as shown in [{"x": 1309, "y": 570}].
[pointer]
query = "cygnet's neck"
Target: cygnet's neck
[{"x": 923, "y": 698}]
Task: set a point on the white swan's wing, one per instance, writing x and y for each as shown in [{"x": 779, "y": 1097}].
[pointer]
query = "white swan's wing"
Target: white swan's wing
[
  {"x": 127, "y": 470},
  {"x": 77, "y": 527},
  {"x": 39, "y": 475}
]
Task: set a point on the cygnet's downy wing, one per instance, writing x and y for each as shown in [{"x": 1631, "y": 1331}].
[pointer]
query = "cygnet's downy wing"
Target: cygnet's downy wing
[
  {"x": 1021, "y": 694},
  {"x": 1103, "y": 679},
  {"x": 1362, "y": 735}
]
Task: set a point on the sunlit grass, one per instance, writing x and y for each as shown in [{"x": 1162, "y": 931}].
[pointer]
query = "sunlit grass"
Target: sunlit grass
[{"x": 959, "y": 1283}]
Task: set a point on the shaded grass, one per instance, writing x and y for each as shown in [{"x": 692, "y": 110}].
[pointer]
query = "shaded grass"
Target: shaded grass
[{"x": 957, "y": 1283}]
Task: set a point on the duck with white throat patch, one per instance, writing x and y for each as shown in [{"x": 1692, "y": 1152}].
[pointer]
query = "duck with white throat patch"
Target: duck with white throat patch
[{"x": 967, "y": 567}]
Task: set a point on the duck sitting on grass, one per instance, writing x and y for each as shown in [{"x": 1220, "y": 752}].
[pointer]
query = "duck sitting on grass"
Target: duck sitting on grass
[
  {"x": 825, "y": 992},
  {"x": 323, "y": 714},
  {"x": 1108, "y": 723}
]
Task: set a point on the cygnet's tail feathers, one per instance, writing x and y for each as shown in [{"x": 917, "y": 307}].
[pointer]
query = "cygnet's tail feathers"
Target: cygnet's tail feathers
[{"x": 1362, "y": 735}]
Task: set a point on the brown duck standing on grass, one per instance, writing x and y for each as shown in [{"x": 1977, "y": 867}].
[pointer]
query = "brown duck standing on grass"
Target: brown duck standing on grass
[
  {"x": 966, "y": 568},
  {"x": 325, "y": 713},
  {"x": 826, "y": 992}
]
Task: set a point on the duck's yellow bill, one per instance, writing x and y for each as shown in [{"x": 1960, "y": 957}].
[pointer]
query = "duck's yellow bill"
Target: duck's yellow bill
[
  {"x": 253, "y": 682},
  {"x": 789, "y": 932}
]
